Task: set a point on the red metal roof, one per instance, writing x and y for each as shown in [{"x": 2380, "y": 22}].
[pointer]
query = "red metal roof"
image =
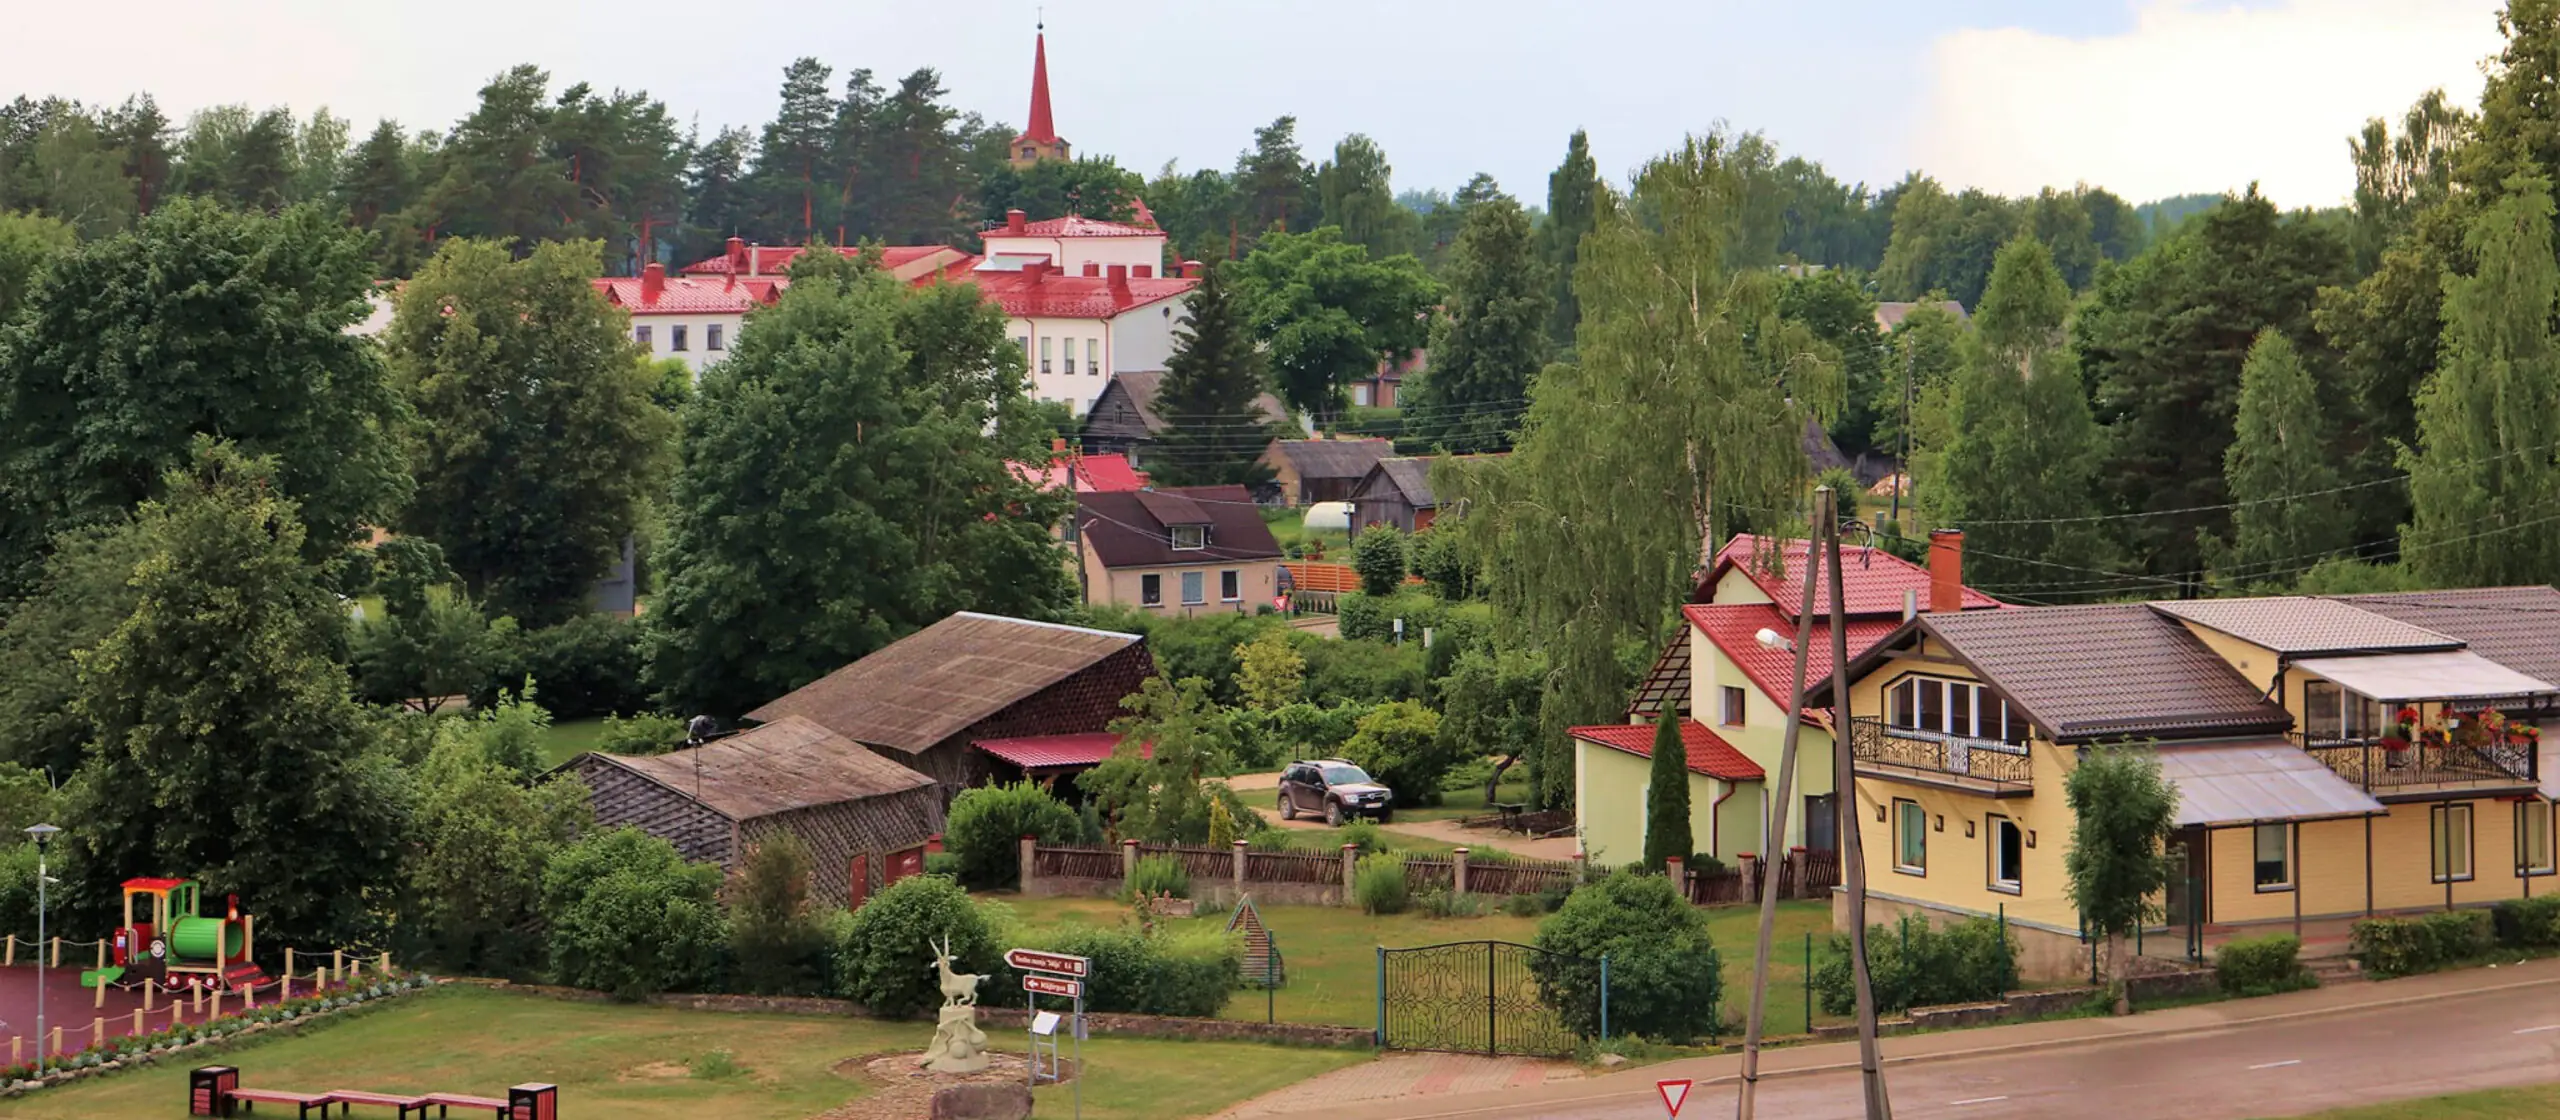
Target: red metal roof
[
  {"x": 1708, "y": 754},
  {"x": 1074, "y": 226},
  {"x": 1074, "y": 297},
  {"x": 774, "y": 260},
  {"x": 1873, "y": 580},
  {"x": 153, "y": 884},
  {"x": 685, "y": 295},
  {"x": 1734, "y": 628},
  {"x": 1092, "y": 473},
  {"x": 1032, "y": 752},
  {"x": 1042, "y": 129}
]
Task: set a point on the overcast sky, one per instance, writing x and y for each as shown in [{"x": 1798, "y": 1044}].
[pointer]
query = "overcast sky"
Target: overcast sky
[{"x": 2146, "y": 97}]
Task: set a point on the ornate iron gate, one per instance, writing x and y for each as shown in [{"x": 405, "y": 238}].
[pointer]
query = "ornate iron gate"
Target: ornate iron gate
[{"x": 1488, "y": 997}]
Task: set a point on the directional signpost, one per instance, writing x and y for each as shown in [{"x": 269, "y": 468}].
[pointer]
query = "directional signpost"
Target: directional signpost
[
  {"x": 1055, "y": 974},
  {"x": 1674, "y": 1094}
]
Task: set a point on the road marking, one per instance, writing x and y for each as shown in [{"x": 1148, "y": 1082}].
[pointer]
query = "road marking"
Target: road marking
[
  {"x": 1978, "y": 1100},
  {"x": 2276, "y": 1065},
  {"x": 2538, "y": 1030}
]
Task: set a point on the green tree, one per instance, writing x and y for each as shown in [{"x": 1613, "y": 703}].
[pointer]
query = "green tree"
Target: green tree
[
  {"x": 987, "y": 825},
  {"x": 2489, "y": 421},
  {"x": 1489, "y": 706},
  {"x": 1922, "y": 356},
  {"x": 1655, "y": 445},
  {"x": 1215, "y": 429},
  {"x": 1491, "y": 338},
  {"x": 522, "y": 373},
  {"x": 1357, "y": 191},
  {"x": 85, "y": 593},
  {"x": 1573, "y": 198},
  {"x": 28, "y": 242},
  {"x": 1379, "y": 556},
  {"x": 1666, "y": 805},
  {"x": 1275, "y": 186},
  {"x": 776, "y": 936},
  {"x": 377, "y": 184},
  {"x": 432, "y": 642},
  {"x": 1163, "y": 797},
  {"x": 200, "y": 321},
  {"x": 2122, "y": 812},
  {"x": 631, "y": 917},
  {"x": 227, "y": 747},
  {"x": 479, "y": 843},
  {"x": 854, "y": 418},
  {"x": 1657, "y": 944},
  {"x": 1090, "y": 186},
  {"x": 1328, "y": 314},
  {"x": 1270, "y": 673},
  {"x": 2276, "y": 470},
  {"x": 1399, "y": 744},
  {"x": 2018, "y": 468},
  {"x": 1841, "y": 315}
]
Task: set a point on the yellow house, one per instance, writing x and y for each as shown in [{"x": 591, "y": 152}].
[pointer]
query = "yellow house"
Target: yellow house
[
  {"x": 2334, "y": 758},
  {"x": 1717, "y": 673}
]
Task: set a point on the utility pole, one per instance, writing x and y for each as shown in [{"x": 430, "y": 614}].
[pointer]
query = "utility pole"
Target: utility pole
[
  {"x": 1853, "y": 863},
  {"x": 43, "y": 835},
  {"x": 1910, "y": 359},
  {"x": 1777, "y": 835}
]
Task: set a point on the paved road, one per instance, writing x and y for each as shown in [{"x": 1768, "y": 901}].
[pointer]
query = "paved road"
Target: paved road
[{"x": 2446, "y": 1043}]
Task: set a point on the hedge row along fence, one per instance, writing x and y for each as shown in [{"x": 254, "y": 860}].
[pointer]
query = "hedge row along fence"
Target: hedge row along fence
[{"x": 1306, "y": 877}]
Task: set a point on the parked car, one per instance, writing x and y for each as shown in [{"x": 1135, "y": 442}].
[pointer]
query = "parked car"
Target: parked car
[{"x": 1335, "y": 788}]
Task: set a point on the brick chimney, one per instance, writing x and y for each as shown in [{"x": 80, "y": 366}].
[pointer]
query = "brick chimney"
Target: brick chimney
[
  {"x": 1190, "y": 270},
  {"x": 1946, "y": 570},
  {"x": 1093, "y": 268},
  {"x": 1035, "y": 272},
  {"x": 1145, "y": 271},
  {"x": 1013, "y": 222},
  {"x": 1119, "y": 279},
  {"x": 737, "y": 256},
  {"x": 653, "y": 280}
]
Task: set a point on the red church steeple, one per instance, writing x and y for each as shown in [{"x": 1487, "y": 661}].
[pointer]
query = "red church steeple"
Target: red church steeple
[{"x": 1039, "y": 141}]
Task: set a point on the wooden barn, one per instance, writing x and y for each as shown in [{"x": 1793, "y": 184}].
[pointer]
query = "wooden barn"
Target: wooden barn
[
  {"x": 865, "y": 819},
  {"x": 929, "y": 700}
]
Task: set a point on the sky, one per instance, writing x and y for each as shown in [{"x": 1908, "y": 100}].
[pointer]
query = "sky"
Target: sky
[{"x": 2145, "y": 97}]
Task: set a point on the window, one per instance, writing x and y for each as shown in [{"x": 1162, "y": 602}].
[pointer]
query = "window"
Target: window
[
  {"x": 1071, "y": 355},
  {"x": 2008, "y": 854},
  {"x": 711, "y": 339},
  {"x": 1151, "y": 590},
  {"x": 1029, "y": 152},
  {"x": 1910, "y": 838},
  {"x": 1191, "y": 585},
  {"x": 2331, "y": 714},
  {"x": 1730, "y": 711},
  {"x": 2533, "y": 838},
  {"x": 2273, "y": 858},
  {"x": 1960, "y": 708},
  {"x": 1230, "y": 585},
  {"x": 1044, "y": 354},
  {"x": 640, "y": 335},
  {"x": 1360, "y": 395},
  {"x": 1093, "y": 357},
  {"x": 675, "y": 338},
  {"x": 2449, "y": 832},
  {"x": 1023, "y": 341},
  {"x": 1190, "y": 536}
]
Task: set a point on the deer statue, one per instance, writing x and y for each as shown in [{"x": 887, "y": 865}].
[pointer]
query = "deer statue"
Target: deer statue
[{"x": 959, "y": 989}]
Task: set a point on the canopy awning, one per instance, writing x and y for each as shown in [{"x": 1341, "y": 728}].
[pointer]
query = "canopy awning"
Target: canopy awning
[
  {"x": 1047, "y": 752},
  {"x": 2256, "y": 782},
  {"x": 2450, "y": 675}
]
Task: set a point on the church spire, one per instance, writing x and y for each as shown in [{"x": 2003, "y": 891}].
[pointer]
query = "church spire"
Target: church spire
[{"x": 1043, "y": 130}]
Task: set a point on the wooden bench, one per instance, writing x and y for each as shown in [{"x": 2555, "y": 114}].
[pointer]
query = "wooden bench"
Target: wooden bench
[
  {"x": 250, "y": 1098},
  {"x": 457, "y": 1100},
  {"x": 347, "y": 1099}
]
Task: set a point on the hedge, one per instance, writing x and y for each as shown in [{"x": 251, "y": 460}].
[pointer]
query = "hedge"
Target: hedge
[
  {"x": 2389, "y": 947},
  {"x": 2528, "y": 923},
  {"x": 1189, "y": 973},
  {"x": 1914, "y": 964},
  {"x": 2258, "y": 966}
]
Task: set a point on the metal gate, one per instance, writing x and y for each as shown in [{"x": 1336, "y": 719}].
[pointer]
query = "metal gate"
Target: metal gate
[{"x": 1489, "y": 997}]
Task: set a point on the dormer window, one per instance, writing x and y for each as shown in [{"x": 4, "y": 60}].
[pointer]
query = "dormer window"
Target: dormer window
[{"x": 1190, "y": 536}]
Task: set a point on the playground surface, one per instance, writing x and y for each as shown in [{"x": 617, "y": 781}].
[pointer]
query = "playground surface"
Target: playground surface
[{"x": 83, "y": 1015}]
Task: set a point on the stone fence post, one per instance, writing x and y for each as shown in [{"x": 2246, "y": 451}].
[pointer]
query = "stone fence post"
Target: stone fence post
[
  {"x": 1674, "y": 867},
  {"x": 1350, "y": 860},
  {"x": 1458, "y": 871},
  {"x": 1128, "y": 859},
  {"x": 1240, "y": 849},
  {"x": 1030, "y": 863},
  {"x": 1749, "y": 864}
]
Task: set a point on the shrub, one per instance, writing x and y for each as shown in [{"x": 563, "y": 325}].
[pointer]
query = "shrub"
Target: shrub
[
  {"x": 1438, "y": 903},
  {"x": 1526, "y": 905},
  {"x": 587, "y": 666},
  {"x": 887, "y": 954},
  {"x": 1207, "y": 647},
  {"x": 1158, "y": 875},
  {"x": 2259, "y": 966},
  {"x": 1378, "y": 554},
  {"x": 1378, "y": 882},
  {"x": 2389, "y": 947},
  {"x": 987, "y": 824},
  {"x": 1914, "y": 964},
  {"x": 2528, "y": 923},
  {"x": 1362, "y": 672},
  {"x": 1440, "y": 558},
  {"x": 1190, "y": 973},
  {"x": 1372, "y": 618},
  {"x": 630, "y": 917},
  {"x": 946, "y": 864},
  {"x": 1399, "y": 744},
  {"x": 1663, "y": 983},
  {"x": 777, "y": 945},
  {"x": 646, "y": 733},
  {"x": 1364, "y": 837}
]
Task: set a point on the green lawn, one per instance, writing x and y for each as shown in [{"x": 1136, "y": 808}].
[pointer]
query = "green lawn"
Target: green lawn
[
  {"x": 570, "y": 738},
  {"x": 2533, "y": 1102},
  {"x": 1331, "y": 840},
  {"x": 1288, "y": 527},
  {"x": 1469, "y": 802},
  {"x": 624, "y": 1061}
]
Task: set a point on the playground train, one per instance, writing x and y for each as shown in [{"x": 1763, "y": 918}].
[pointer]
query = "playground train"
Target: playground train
[{"x": 167, "y": 943}]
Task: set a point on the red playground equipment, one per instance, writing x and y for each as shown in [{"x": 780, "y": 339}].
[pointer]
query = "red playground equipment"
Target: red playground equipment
[
  {"x": 216, "y": 1091},
  {"x": 171, "y": 945}
]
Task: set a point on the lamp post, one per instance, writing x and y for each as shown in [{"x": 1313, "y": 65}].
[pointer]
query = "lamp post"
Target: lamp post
[{"x": 43, "y": 834}]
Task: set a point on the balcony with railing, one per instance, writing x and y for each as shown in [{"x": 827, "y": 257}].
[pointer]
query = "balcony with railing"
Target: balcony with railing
[
  {"x": 1931, "y": 758},
  {"x": 2383, "y": 765}
]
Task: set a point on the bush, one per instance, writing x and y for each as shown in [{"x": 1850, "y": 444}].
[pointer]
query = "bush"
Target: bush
[
  {"x": 1440, "y": 558},
  {"x": 946, "y": 864},
  {"x": 1191, "y": 973},
  {"x": 2528, "y": 923},
  {"x": 987, "y": 824},
  {"x": 1399, "y": 744},
  {"x": 646, "y": 733},
  {"x": 1378, "y": 882},
  {"x": 1439, "y": 903},
  {"x": 2260, "y": 966},
  {"x": 2389, "y": 947},
  {"x": 887, "y": 954},
  {"x": 630, "y": 917},
  {"x": 1354, "y": 672},
  {"x": 777, "y": 944},
  {"x": 1527, "y": 905},
  {"x": 1663, "y": 979},
  {"x": 1265, "y": 840},
  {"x": 1372, "y": 618},
  {"x": 1914, "y": 964},
  {"x": 1206, "y": 646},
  {"x": 1364, "y": 837},
  {"x": 1158, "y": 875},
  {"x": 1378, "y": 554},
  {"x": 587, "y": 666}
]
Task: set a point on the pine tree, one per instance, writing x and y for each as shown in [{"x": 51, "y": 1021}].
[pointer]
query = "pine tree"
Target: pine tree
[
  {"x": 1215, "y": 428},
  {"x": 791, "y": 159},
  {"x": 2489, "y": 421},
  {"x": 1277, "y": 185},
  {"x": 1666, "y": 806},
  {"x": 2278, "y": 463},
  {"x": 1491, "y": 340},
  {"x": 1357, "y": 187}
]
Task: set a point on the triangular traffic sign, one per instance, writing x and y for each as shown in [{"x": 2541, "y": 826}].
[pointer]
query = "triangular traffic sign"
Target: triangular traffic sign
[{"x": 1674, "y": 1094}]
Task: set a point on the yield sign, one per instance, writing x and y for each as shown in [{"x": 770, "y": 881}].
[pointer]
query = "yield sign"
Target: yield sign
[{"x": 1674, "y": 1093}]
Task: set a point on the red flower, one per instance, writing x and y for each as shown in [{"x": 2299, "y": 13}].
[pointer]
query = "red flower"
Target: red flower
[
  {"x": 2394, "y": 743},
  {"x": 2409, "y": 715}
]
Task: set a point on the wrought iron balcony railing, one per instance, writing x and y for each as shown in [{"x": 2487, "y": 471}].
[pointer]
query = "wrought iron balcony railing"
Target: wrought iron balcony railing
[
  {"x": 1888, "y": 751},
  {"x": 2375, "y": 767}
]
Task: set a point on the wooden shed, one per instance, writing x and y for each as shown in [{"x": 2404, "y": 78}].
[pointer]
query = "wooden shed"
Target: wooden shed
[{"x": 865, "y": 819}]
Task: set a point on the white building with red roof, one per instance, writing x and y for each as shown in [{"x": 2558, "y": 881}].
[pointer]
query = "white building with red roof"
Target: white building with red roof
[{"x": 694, "y": 319}]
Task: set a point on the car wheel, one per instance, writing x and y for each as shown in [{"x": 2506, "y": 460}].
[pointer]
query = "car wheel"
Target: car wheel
[
  {"x": 1386, "y": 815},
  {"x": 1288, "y": 806},
  {"x": 1333, "y": 813}
]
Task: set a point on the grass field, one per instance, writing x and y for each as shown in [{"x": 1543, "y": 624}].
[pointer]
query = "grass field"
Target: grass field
[
  {"x": 569, "y": 738},
  {"x": 640, "y": 1062},
  {"x": 2533, "y": 1102}
]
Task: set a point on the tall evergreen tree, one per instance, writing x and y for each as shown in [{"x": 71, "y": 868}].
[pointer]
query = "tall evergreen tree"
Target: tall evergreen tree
[
  {"x": 920, "y": 169},
  {"x": 495, "y": 176},
  {"x": 2487, "y": 461},
  {"x": 792, "y": 156},
  {"x": 718, "y": 202},
  {"x": 1666, "y": 805},
  {"x": 1215, "y": 430},
  {"x": 1491, "y": 340},
  {"x": 1277, "y": 186},
  {"x": 140, "y": 130},
  {"x": 2280, "y": 460},
  {"x": 1358, "y": 193},
  {"x": 1573, "y": 195}
]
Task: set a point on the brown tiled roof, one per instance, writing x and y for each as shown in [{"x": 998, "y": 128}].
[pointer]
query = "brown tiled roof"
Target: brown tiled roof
[
  {"x": 1891, "y": 315},
  {"x": 2093, "y": 672},
  {"x": 932, "y": 684},
  {"x": 2518, "y": 627},
  {"x": 1333, "y": 458},
  {"x": 790, "y": 763},
  {"x": 2304, "y": 625},
  {"x": 1127, "y": 529},
  {"x": 1142, "y": 386}
]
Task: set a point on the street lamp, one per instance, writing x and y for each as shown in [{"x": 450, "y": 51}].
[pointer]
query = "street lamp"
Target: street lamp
[
  {"x": 43, "y": 834},
  {"x": 1772, "y": 640}
]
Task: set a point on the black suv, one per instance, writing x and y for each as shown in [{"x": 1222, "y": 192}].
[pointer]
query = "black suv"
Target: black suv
[{"x": 1335, "y": 788}]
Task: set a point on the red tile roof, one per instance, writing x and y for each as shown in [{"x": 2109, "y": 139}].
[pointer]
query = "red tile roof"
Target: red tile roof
[
  {"x": 1092, "y": 473},
  {"x": 773, "y": 260},
  {"x": 1873, "y": 580},
  {"x": 1735, "y": 627},
  {"x": 1074, "y": 297},
  {"x": 1708, "y": 754},
  {"x": 1075, "y": 226},
  {"x": 685, "y": 295},
  {"x": 1036, "y": 751}
]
